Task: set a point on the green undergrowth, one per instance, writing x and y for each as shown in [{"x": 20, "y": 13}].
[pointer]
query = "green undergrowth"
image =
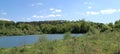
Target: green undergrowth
[{"x": 99, "y": 43}]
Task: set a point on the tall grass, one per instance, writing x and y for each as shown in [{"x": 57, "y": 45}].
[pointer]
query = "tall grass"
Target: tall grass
[{"x": 98, "y": 43}]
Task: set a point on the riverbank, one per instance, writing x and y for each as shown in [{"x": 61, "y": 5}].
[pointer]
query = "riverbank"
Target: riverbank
[{"x": 100, "y": 43}]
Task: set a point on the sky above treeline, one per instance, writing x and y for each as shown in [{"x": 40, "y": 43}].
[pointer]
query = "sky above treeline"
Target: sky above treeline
[{"x": 103, "y": 11}]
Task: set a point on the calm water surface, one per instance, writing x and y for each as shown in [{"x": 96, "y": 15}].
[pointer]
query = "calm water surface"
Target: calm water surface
[{"x": 15, "y": 41}]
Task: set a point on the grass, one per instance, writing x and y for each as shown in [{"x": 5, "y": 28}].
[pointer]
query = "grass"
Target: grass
[{"x": 100, "y": 43}]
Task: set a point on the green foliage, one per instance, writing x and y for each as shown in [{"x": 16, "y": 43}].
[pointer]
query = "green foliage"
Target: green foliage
[
  {"x": 53, "y": 27},
  {"x": 117, "y": 24},
  {"x": 43, "y": 38},
  {"x": 46, "y": 27},
  {"x": 111, "y": 25},
  {"x": 103, "y": 43},
  {"x": 93, "y": 30},
  {"x": 67, "y": 35}
]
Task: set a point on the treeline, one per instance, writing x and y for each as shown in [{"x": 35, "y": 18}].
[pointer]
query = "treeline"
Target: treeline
[{"x": 52, "y": 27}]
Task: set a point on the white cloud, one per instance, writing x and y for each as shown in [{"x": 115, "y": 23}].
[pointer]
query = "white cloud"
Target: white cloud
[
  {"x": 105, "y": 11},
  {"x": 58, "y": 10},
  {"x": 28, "y": 18},
  {"x": 34, "y": 16},
  {"x": 119, "y": 10},
  {"x": 58, "y": 15},
  {"x": 37, "y": 16},
  {"x": 5, "y": 19},
  {"x": 87, "y": 3},
  {"x": 89, "y": 7},
  {"x": 51, "y": 15},
  {"x": 37, "y": 4},
  {"x": 54, "y": 10},
  {"x": 41, "y": 16},
  {"x": 2, "y": 12},
  {"x": 51, "y": 9},
  {"x": 47, "y": 16},
  {"x": 92, "y": 13},
  {"x": 108, "y": 11}
]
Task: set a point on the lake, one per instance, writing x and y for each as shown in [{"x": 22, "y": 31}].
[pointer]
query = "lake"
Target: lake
[{"x": 15, "y": 41}]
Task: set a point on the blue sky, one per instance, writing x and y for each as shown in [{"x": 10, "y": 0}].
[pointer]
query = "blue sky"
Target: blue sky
[{"x": 103, "y": 11}]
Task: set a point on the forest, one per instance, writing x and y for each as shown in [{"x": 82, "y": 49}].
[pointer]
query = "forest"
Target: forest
[{"x": 8, "y": 28}]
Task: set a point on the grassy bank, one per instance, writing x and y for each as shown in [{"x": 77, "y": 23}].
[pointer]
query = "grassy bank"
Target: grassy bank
[{"x": 99, "y": 43}]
